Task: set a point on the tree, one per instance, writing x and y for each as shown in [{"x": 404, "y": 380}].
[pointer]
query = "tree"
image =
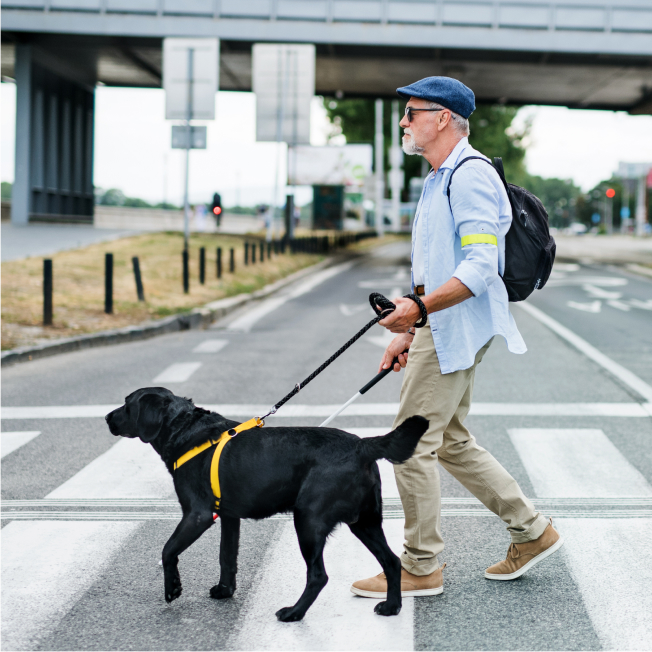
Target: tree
[{"x": 492, "y": 133}]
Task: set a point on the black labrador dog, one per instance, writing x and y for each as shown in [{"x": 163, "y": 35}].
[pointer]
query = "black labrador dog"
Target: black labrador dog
[{"x": 323, "y": 475}]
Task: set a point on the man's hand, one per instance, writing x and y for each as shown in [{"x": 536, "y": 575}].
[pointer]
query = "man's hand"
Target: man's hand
[
  {"x": 396, "y": 348},
  {"x": 407, "y": 314}
]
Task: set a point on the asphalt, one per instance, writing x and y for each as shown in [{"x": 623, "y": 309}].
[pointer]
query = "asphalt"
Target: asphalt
[{"x": 551, "y": 608}]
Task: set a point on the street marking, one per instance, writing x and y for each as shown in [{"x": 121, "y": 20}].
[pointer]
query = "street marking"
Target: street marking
[
  {"x": 299, "y": 411},
  {"x": 210, "y": 346},
  {"x": 337, "y": 620},
  {"x": 611, "y": 561},
  {"x": 576, "y": 463},
  {"x": 383, "y": 341},
  {"x": 593, "y": 306},
  {"x": 246, "y": 322},
  {"x": 46, "y": 566},
  {"x": 604, "y": 281},
  {"x": 643, "y": 305},
  {"x": 10, "y": 441},
  {"x": 599, "y": 293},
  {"x": 620, "y": 305},
  {"x": 387, "y": 477},
  {"x": 624, "y": 375},
  {"x": 348, "y": 310},
  {"x": 178, "y": 372}
]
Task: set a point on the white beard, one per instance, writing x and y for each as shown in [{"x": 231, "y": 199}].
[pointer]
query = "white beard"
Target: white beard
[{"x": 410, "y": 147}]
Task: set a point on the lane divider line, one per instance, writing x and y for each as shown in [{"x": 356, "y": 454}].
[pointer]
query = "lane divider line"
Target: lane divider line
[
  {"x": 11, "y": 441},
  {"x": 179, "y": 372},
  {"x": 624, "y": 375}
]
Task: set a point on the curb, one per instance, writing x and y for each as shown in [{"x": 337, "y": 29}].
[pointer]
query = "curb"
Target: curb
[{"x": 199, "y": 318}]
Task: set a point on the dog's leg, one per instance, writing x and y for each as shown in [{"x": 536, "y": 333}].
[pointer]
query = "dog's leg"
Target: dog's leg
[
  {"x": 312, "y": 533},
  {"x": 191, "y": 527},
  {"x": 373, "y": 537},
  {"x": 229, "y": 544}
]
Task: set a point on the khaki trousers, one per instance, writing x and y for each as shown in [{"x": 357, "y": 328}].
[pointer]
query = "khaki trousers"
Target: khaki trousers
[{"x": 445, "y": 400}]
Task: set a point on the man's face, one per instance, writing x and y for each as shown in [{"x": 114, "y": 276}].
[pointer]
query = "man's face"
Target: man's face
[{"x": 422, "y": 130}]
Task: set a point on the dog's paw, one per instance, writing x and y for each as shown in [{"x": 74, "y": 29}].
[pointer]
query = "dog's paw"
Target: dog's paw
[
  {"x": 173, "y": 590},
  {"x": 288, "y": 615},
  {"x": 220, "y": 591},
  {"x": 385, "y": 609}
]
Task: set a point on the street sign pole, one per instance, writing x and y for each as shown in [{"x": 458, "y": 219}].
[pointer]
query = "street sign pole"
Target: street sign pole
[
  {"x": 186, "y": 204},
  {"x": 379, "y": 146}
]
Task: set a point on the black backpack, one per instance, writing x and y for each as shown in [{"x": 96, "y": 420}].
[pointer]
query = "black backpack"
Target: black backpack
[{"x": 529, "y": 247}]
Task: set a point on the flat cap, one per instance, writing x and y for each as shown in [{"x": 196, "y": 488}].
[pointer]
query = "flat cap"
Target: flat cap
[{"x": 448, "y": 92}]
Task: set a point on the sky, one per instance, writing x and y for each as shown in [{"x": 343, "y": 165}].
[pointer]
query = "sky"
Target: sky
[{"x": 132, "y": 147}]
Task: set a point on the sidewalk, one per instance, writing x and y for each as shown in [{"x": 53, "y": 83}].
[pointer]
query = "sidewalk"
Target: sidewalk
[{"x": 611, "y": 249}]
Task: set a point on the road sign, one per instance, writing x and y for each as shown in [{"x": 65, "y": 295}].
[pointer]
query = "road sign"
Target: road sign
[
  {"x": 284, "y": 83},
  {"x": 633, "y": 170},
  {"x": 180, "y": 137},
  {"x": 190, "y": 77}
]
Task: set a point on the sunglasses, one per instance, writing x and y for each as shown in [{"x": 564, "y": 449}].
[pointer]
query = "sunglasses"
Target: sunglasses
[{"x": 409, "y": 111}]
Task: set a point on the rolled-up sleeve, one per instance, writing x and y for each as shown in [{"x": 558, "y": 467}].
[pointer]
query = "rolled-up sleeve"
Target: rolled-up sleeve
[{"x": 475, "y": 206}]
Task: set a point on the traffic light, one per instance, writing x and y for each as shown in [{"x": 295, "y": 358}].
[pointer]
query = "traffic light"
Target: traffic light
[
  {"x": 217, "y": 204},
  {"x": 611, "y": 193}
]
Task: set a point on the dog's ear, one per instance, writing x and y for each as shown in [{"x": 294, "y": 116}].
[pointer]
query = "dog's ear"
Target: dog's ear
[{"x": 152, "y": 412}]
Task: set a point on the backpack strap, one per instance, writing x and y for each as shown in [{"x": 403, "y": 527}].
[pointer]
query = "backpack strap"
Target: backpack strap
[{"x": 497, "y": 165}]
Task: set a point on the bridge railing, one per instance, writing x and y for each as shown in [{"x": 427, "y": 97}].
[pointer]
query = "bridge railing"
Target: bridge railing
[{"x": 585, "y": 15}]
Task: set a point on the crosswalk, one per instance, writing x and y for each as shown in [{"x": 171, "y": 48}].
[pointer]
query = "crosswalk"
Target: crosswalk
[{"x": 604, "y": 512}]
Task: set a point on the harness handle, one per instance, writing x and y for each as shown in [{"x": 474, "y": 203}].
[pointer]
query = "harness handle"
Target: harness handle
[{"x": 382, "y": 306}]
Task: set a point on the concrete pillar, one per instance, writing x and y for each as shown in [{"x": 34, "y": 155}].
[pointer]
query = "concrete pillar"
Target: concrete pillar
[
  {"x": 21, "y": 191},
  {"x": 54, "y": 142}
]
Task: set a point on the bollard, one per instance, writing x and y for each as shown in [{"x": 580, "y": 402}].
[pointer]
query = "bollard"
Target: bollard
[
  {"x": 186, "y": 273},
  {"x": 262, "y": 251},
  {"x": 108, "y": 284},
  {"x": 139, "y": 281},
  {"x": 47, "y": 292},
  {"x": 219, "y": 262},
  {"x": 253, "y": 253},
  {"x": 246, "y": 253},
  {"x": 202, "y": 265},
  {"x": 232, "y": 261}
]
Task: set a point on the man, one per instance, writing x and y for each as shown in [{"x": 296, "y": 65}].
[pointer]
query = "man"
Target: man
[{"x": 458, "y": 255}]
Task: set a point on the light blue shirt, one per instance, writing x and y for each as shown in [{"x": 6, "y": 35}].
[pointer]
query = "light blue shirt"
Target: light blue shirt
[{"x": 481, "y": 210}]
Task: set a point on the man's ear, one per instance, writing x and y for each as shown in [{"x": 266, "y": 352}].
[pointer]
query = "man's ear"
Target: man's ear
[{"x": 152, "y": 412}]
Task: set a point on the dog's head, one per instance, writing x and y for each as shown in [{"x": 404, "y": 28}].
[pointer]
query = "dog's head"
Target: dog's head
[{"x": 143, "y": 415}]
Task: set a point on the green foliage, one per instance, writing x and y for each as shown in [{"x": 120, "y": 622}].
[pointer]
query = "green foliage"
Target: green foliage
[
  {"x": 115, "y": 197},
  {"x": 491, "y": 133},
  {"x": 559, "y": 196},
  {"x": 6, "y": 191}
]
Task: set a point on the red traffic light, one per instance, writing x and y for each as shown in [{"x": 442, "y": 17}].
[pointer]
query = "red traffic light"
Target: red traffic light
[
  {"x": 611, "y": 193},
  {"x": 217, "y": 210}
]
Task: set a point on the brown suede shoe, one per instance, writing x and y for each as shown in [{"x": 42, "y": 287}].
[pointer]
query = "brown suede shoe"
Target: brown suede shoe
[
  {"x": 411, "y": 585},
  {"x": 523, "y": 556}
]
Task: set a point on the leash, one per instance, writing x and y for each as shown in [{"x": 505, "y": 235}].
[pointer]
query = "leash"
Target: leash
[{"x": 382, "y": 306}]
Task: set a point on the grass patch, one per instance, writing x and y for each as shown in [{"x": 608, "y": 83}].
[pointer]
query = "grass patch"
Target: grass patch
[{"x": 79, "y": 284}]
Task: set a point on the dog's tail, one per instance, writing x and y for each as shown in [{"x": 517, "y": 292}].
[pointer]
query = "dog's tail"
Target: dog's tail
[{"x": 396, "y": 446}]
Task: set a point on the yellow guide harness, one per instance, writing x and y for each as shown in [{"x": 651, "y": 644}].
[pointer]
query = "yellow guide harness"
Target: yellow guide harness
[{"x": 220, "y": 442}]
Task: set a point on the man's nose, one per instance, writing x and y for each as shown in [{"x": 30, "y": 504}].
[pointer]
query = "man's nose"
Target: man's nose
[{"x": 404, "y": 122}]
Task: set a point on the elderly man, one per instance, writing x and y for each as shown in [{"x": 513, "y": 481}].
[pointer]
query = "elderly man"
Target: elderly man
[{"x": 458, "y": 255}]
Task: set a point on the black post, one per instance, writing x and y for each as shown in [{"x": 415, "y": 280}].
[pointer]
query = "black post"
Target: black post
[
  {"x": 186, "y": 273},
  {"x": 262, "y": 251},
  {"x": 289, "y": 216},
  {"x": 246, "y": 253},
  {"x": 47, "y": 292},
  {"x": 108, "y": 284},
  {"x": 139, "y": 281},
  {"x": 219, "y": 262},
  {"x": 232, "y": 261},
  {"x": 253, "y": 253},
  {"x": 202, "y": 265}
]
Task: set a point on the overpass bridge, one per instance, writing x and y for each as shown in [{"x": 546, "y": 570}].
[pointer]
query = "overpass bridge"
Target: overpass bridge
[{"x": 577, "y": 53}]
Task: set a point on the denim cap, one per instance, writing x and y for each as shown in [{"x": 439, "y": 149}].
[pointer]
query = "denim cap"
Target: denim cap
[{"x": 448, "y": 92}]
